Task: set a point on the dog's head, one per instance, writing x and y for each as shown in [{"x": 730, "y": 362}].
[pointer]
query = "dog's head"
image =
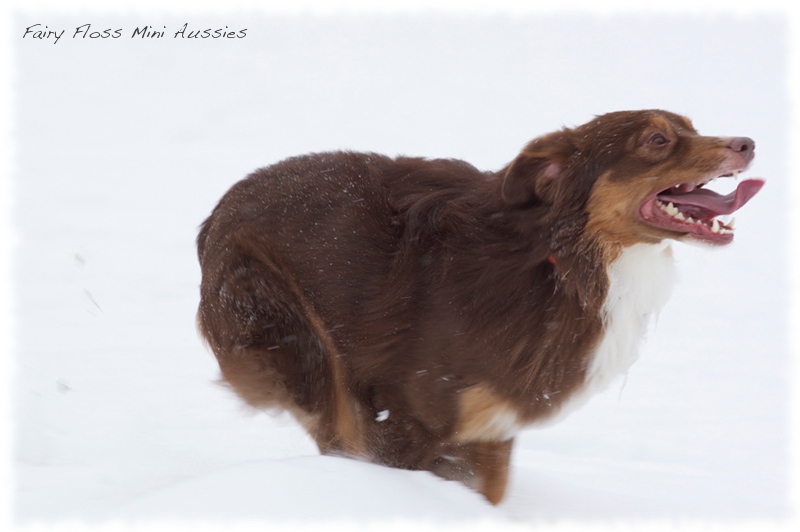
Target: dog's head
[{"x": 638, "y": 175}]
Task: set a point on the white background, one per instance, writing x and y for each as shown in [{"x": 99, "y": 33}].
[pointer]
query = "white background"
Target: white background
[{"x": 122, "y": 147}]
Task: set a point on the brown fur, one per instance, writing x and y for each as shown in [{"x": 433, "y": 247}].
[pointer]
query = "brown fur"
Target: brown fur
[{"x": 340, "y": 286}]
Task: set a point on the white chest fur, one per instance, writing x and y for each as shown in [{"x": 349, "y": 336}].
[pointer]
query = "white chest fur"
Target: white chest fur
[{"x": 640, "y": 282}]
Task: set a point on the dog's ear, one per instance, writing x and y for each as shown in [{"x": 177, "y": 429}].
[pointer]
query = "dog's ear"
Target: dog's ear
[{"x": 533, "y": 176}]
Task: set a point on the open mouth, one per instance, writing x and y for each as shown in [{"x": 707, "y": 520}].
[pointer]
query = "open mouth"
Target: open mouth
[{"x": 692, "y": 210}]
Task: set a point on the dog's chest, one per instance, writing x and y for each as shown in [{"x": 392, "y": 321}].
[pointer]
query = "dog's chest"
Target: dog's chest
[{"x": 640, "y": 282}]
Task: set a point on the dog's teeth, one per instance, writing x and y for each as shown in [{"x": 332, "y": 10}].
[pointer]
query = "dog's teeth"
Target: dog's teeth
[
  {"x": 672, "y": 210},
  {"x": 715, "y": 226},
  {"x": 730, "y": 224}
]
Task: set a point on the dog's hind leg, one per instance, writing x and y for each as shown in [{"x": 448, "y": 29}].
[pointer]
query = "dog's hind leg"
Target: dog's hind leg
[{"x": 273, "y": 350}]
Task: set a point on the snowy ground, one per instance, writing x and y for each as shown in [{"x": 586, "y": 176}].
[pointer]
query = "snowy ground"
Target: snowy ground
[{"x": 124, "y": 146}]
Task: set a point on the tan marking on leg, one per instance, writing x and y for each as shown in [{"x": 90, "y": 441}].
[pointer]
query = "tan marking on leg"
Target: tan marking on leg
[
  {"x": 310, "y": 422},
  {"x": 491, "y": 468},
  {"x": 340, "y": 433},
  {"x": 484, "y": 416},
  {"x": 349, "y": 439},
  {"x": 481, "y": 466}
]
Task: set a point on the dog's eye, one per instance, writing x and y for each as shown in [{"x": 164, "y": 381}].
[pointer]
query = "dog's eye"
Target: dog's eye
[{"x": 657, "y": 140}]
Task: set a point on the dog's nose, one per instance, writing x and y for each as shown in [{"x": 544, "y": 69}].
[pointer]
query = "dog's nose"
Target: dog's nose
[{"x": 744, "y": 146}]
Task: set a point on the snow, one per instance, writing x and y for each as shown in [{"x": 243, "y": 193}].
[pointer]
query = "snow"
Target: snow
[{"x": 124, "y": 146}]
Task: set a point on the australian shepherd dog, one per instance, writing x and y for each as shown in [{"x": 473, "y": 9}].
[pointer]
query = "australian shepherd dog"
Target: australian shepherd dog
[{"x": 418, "y": 313}]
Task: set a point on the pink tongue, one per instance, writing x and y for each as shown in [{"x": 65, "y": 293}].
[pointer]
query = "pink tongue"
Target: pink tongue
[{"x": 719, "y": 204}]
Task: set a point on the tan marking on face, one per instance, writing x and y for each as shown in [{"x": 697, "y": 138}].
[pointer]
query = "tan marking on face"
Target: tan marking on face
[
  {"x": 662, "y": 123},
  {"x": 616, "y": 199},
  {"x": 613, "y": 213}
]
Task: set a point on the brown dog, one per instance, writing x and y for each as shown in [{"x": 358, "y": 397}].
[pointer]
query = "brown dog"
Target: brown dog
[{"x": 418, "y": 313}]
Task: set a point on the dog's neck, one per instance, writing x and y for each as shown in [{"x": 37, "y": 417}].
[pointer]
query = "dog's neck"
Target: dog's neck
[{"x": 640, "y": 280}]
